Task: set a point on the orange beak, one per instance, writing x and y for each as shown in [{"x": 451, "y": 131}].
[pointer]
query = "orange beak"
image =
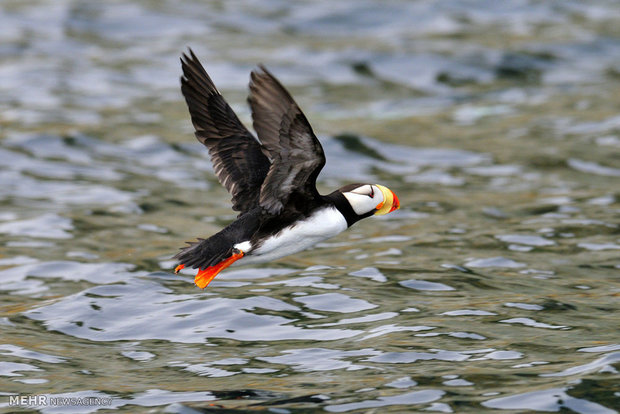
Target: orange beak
[
  {"x": 390, "y": 201},
  {"x": 395, "y": 203}
]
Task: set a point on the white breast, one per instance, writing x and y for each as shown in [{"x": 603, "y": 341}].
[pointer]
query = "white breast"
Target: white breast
[{"x": 321, "y": 225}]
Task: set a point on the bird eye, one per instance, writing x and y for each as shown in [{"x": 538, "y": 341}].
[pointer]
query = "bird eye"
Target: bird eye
[{"x": 362, "y": 191}]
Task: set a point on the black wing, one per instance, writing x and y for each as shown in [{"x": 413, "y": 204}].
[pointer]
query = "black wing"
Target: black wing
[
  {"x": 296, "y": 154},
  {"x": 238, "y": 161}
]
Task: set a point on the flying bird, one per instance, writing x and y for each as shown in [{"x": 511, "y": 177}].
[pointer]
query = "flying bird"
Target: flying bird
[{"x": 272, "y": 179}]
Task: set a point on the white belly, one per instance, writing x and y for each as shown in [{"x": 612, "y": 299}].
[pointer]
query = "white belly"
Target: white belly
[{"x": 321, "y": 225}]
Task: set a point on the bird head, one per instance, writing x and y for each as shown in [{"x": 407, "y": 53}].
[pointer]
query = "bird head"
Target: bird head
[{"x": 370, "y": 199}]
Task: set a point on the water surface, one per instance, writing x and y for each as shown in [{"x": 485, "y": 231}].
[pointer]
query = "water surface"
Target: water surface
[{"x": 493, "y": 289}]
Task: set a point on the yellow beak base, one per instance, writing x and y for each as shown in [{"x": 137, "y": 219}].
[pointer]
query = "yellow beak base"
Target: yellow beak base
[{"x": 390, "y": 202}]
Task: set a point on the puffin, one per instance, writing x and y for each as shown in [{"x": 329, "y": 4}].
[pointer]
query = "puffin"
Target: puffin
[{"x": 271, "y": 178}]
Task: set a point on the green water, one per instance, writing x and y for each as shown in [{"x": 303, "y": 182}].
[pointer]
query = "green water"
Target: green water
[{"x": 494, "y": 288}]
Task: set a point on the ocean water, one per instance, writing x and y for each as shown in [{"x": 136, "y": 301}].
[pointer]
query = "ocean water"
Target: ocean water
[{"x": 495, "y": 288}]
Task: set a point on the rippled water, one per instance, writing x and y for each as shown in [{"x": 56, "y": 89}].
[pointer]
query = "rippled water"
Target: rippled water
[{"x": 494, "y": 289}]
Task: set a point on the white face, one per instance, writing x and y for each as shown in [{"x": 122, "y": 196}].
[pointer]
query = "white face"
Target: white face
[{"x": 364, "y": 199}]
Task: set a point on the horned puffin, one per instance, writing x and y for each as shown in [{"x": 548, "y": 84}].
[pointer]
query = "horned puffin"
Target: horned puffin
[{"x": 272, "y": 179}]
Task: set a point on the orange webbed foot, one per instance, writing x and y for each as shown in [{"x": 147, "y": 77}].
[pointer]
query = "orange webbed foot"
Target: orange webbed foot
[{"x": 205, "y": 276}]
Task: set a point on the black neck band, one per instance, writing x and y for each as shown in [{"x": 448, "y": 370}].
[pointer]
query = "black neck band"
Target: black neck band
[{"x": 343, "y": 205}]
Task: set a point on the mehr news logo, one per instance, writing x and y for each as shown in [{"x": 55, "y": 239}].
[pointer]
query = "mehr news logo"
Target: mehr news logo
[{"x": 47, "y": 401}]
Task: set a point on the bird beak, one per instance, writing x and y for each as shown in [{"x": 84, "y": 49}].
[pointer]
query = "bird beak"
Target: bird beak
[{"x": 390, "y": 202}]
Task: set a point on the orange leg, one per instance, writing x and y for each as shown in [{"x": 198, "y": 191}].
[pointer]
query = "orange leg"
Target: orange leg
[{"x": 205, "y": 276}]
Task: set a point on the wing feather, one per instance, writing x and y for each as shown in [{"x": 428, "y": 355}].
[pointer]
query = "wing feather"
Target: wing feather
[
  {"x": 296, "y": 153},
  {"x": 237, "y": 157}
]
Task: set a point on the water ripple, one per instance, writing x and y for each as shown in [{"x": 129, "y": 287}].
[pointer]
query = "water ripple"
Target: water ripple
[
  {"x": 493, "y": 121},
  {"x": 112, "y": 313},
  {"x": 319, "y": 359},
  {"x": 335, "y": 302},
  {"x": 410, "y": 398},
  {"x": 552, "y": 399}
]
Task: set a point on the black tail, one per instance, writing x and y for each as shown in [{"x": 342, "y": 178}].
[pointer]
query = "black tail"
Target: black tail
[
  {"x": 209, "y": 252},
  {"x": 205, "y": 252}
]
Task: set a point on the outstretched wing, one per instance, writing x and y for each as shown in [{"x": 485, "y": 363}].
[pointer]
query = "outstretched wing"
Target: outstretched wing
[
  {"x": 296, "y": 154},
  {"x": 238, "y": 161}
]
